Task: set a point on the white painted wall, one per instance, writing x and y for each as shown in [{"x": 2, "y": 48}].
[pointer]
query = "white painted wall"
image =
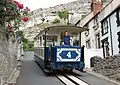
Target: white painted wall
[
  {"x": 91, "y": 35},
  {"x": 104, "y": 13},
  {"x": 111, "y": 20},
  {"x": 89, "y": 53},
  {"x": 115, "y": 29},
  {"x": 109, "y": 8}
]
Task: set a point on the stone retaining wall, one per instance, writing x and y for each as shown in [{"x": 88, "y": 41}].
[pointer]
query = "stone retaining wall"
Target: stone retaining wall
[
  {"x": 109, "y": 66},
  {"x": 8, "y": 59}
]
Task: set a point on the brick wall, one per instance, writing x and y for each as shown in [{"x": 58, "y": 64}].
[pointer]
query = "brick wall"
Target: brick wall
[{"x": 96, "y": 6}]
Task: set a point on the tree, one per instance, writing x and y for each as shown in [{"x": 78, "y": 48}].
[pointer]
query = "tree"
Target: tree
[
  {"x": 20, "y": 34},
  {"x": 64, "y": 14}
]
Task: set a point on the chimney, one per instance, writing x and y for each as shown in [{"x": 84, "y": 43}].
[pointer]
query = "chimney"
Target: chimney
[{"x": 96, "y": 6}]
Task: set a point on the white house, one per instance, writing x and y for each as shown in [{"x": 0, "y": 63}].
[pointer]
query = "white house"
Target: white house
[
  {"x": 91, "y": 38},
  {"x": 110, "y": 25},
  {"x": 103, "y": 25}
]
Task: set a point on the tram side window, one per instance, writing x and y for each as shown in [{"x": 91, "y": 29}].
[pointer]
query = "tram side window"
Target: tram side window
[{"x": 50, "y": 40}]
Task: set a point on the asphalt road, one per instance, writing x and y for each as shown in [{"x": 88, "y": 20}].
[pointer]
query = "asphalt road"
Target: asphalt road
[{"x": 32, "y": 74}]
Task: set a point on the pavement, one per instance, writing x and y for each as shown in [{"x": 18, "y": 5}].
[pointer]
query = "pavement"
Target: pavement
[{"x": 89, "y": 70}]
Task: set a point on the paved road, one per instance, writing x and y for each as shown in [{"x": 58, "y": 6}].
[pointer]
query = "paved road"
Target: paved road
[{"x": 31, "y": 74}]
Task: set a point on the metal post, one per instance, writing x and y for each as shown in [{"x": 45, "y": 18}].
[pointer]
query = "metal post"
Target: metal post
[
  {"x": 82, "y": 53},
  {"x": 80, "y": 38},
  {"x": 45, "y": 49}
]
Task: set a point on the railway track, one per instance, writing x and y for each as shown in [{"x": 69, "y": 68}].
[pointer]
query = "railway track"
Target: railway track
[{"x": 70, "y": 79}]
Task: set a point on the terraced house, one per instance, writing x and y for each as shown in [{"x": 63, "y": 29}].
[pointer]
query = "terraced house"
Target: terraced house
[{"x": 103, "y": 24}]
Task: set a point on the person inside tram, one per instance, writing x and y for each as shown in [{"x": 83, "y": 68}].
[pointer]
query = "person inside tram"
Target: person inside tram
[{"x": 66, "y": 38}]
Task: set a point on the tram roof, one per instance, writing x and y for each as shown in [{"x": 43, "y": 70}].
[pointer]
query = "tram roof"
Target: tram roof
[{"x": 62, "y": 28}]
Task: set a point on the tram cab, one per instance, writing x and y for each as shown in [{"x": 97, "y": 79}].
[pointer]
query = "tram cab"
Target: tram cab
[{"x": 50, "y": 52}]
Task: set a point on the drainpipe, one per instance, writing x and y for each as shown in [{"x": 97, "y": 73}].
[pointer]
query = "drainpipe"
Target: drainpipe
[{"x": 111, "y": 36}]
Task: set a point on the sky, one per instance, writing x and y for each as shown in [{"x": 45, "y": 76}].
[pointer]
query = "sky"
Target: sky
[{"x": 35, "y": 4}]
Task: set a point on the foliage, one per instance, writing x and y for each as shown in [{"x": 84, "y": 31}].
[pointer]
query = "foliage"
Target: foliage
[
  {"x": 26, "y": 43},
  {"x": 56, "y": 21},
  {"x": 30, "y": 46},
  {"x": 64, "y": 14},
  {"x": 25, "y": 46},
  {"x": 12, "y": 13},
  {"x": 19, "y": 33}
]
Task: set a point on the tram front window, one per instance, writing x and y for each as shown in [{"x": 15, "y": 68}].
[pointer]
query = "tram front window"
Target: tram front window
[
  {"x": 50, "y": 40},
  {"x": 49, "y": 43}
]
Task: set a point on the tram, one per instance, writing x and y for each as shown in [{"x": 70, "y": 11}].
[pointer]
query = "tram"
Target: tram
[{"x": 52, "y": 55}]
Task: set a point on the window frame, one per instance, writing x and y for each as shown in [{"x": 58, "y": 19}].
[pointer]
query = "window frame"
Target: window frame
[
  {"x": 88, "y": 42},
  {"x": 96, "y": 21},
  {"x": 118, "y": 17},
  {"x": 98, "y": 42},
  {"x": 106, "y": 26}
]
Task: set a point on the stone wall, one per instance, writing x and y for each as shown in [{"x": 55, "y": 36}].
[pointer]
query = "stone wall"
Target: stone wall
[
  {"x": 8, "y": 59},
  {"x": 109, "y": 66}
]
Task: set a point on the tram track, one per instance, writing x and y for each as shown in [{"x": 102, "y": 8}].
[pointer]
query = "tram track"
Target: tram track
[{"x": 70, "y": 79}]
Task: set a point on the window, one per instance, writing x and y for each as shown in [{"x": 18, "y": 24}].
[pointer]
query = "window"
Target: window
[
  {"x": 50, "y": 38},
  {"x": 96, "y": 21},
  {"x": 97, "y": 39},
  {"x": 118, "y": 18},
  {"x": 118, "y": 40},
  {"x": 104, "y": 27},
  {"x": 105, "y": 45},
  {"x": 88, "y": 44}
]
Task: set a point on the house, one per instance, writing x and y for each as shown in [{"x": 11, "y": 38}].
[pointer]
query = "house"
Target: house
[
  {"x": 110, "y": 28},
  {"x": 104, "y": 27},
  {"x": 91, "y": 38}
]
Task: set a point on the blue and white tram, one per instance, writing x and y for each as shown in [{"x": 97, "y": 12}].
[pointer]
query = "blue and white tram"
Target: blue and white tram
[{"x": 51, "y": 55}]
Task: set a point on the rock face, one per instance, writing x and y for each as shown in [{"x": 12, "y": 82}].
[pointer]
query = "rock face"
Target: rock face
[
  {"x": 78, "y": 6},
  {"x": 109, "y": 66},
  {"x": 77, "y": 10},
  {"x": 8, "y": 59}
]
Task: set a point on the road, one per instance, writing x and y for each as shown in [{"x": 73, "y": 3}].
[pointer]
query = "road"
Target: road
[{"x": 32, "y": 74}]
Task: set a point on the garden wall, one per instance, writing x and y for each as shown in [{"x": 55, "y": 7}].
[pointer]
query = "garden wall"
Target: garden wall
[{"x": 9, "y": 55}]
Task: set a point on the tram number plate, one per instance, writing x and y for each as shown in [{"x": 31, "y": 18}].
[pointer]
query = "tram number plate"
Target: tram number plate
[{"x": 69, "y": 54}]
